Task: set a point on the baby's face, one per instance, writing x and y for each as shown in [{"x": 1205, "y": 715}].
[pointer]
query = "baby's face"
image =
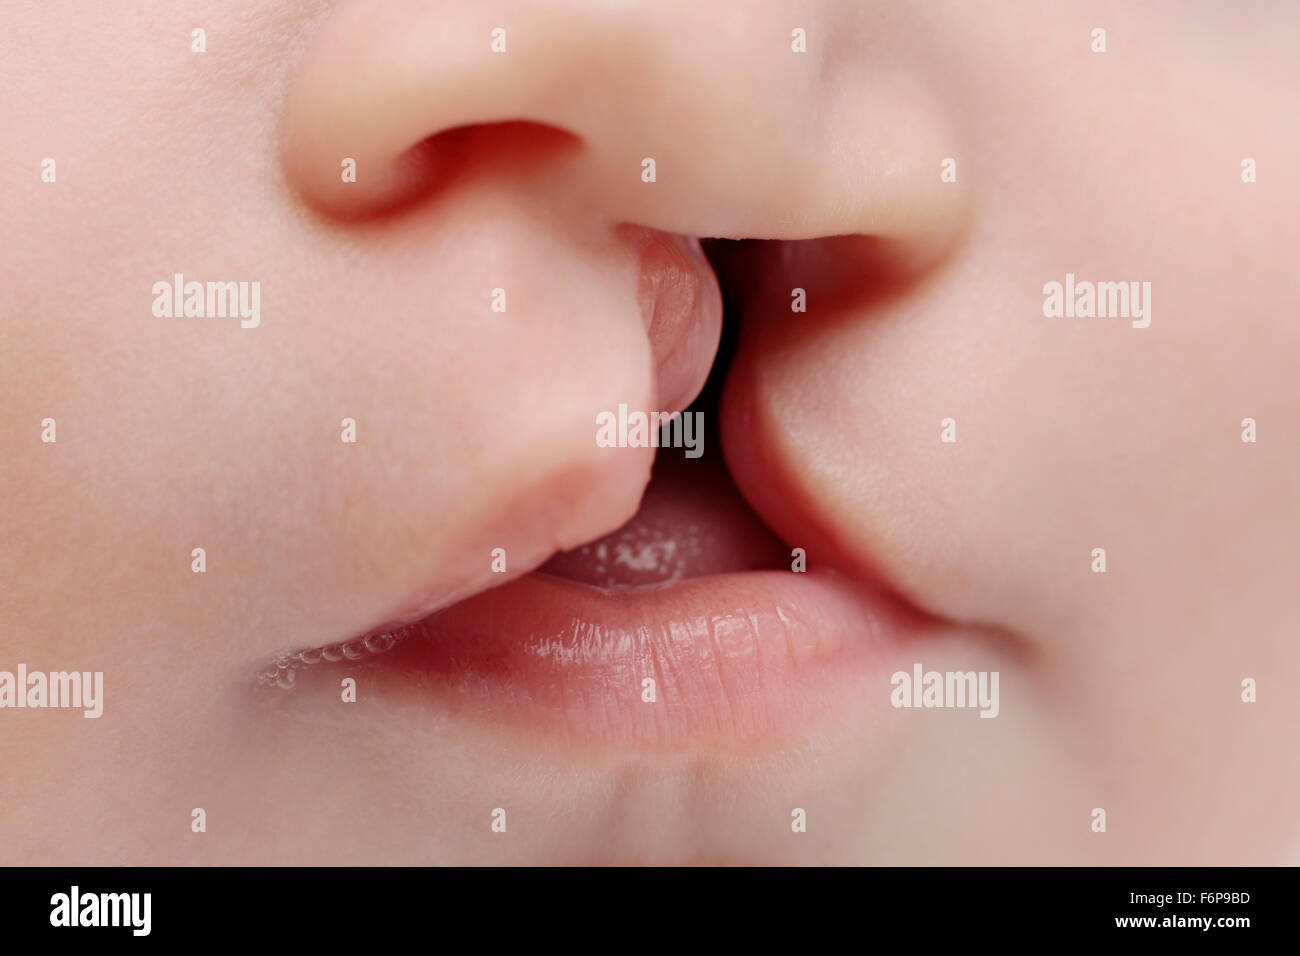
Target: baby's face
[{"x": 1022, "y": 284}]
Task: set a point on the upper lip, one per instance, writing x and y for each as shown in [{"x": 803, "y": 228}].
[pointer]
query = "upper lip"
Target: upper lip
[{"x": 564, "y": 490}]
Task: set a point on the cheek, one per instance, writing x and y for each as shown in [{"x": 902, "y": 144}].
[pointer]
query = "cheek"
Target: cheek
[{"x": 1071, "y": 434}]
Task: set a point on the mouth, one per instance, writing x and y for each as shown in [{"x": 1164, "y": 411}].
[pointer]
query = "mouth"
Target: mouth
[{"x": 691, "y": 625}]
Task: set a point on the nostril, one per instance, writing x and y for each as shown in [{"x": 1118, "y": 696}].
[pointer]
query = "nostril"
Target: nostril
[
  {"x": 366, "y": 186},
  {"x": 513, "y": 150},
  {"x": 502, "y": 146}
]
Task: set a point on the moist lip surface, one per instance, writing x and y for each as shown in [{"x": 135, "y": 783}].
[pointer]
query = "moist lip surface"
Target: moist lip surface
[{"x": 734, "y": 659}]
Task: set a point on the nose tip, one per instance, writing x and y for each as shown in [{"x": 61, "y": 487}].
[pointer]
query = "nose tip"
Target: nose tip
[{"x": 678, "y": 123}]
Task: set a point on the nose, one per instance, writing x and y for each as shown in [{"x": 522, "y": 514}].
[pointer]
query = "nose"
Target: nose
[{"x": 682, "y": 116}]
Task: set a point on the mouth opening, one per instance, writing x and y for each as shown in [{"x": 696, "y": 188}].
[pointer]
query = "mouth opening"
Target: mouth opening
[
  {"x": 683, "y": 628},
  {"x": 694, "y": 584},
  {"x": 693, "y": 520}
]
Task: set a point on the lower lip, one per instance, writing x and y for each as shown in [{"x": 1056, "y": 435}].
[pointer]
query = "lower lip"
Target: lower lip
[{"x": 738, "y": 660}]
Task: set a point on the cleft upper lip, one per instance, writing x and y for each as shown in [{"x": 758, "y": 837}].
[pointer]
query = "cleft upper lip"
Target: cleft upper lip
[{"x": 733, "y": 649}]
